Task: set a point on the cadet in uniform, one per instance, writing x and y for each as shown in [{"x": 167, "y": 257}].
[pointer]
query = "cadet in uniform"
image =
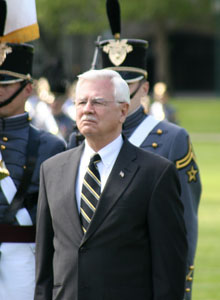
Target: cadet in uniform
[
  {"x": 128, "y": 57},
  {"x": 22, "y": 150}
]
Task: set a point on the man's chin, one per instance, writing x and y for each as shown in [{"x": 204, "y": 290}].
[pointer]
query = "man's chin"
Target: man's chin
[
  {"x": 88, "y": 129},
  {"x": 88, "y": 133}
]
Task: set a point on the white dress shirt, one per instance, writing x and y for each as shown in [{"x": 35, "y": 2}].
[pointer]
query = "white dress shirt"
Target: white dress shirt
[{"x": 108, "y": 156}]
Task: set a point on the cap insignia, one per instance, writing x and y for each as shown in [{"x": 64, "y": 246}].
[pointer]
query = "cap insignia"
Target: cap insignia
[
  {"x": 117, "y": 51},
  {"x": 4, "y": 50}
]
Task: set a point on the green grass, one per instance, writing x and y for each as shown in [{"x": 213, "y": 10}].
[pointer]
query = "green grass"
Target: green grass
[
  {"x": 202, "y": 120},
  {"x": 198, "y": 115},
  {"x": 207, "y": 264}
]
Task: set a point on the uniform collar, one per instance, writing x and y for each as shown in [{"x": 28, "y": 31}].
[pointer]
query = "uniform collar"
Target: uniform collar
[
  {"x": 14, "y": 123},
  {"x": 134, "y": 119}
]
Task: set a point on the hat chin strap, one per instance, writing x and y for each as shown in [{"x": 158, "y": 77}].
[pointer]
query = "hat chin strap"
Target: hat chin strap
[
  {"x": 10, "y": 99},
  {"x": 137, "y": 89}
]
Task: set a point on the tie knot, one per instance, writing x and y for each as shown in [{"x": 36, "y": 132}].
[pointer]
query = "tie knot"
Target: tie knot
[{"x": 95, "y": 159}]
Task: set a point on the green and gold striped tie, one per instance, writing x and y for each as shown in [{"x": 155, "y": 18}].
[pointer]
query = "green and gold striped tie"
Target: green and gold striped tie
[{"x": 91, "y": 191}]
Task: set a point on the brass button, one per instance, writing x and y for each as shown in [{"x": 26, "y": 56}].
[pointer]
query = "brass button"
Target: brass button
[
  {"x": 3, "y": 147},
  {"x": 5, "y": 139},
  {"x": 154, "y": 145},
  {"x": 187, "y": 290},
  {"x": 29, "y": 119},
  {"x": 159, "y": 131},
  {"x": 189, "y": 278},
  {"x": 24, "y": 167},
  {"x": 191, "y": 267}
]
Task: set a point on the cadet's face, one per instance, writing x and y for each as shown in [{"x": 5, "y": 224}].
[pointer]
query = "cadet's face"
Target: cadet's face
[
  {"x": 98, "y": 116},
  {"x": 17, "y": 105},
  {"x": 141, "y": 92}
]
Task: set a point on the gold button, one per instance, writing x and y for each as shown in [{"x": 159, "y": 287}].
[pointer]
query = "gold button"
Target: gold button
[
  {"x": 189, "y": 278},
  {"x": 159, "y": 131},
  {"x": 154, "y": 145},
  {"x": 29, "y": 118},
  {"x": 5, "y": 139},
  {"x": 191, "y": 267},
  {"x": 3, "y": 147},
  {"x": 187, "y": 290},
  {"x": 24, "y": 167}
]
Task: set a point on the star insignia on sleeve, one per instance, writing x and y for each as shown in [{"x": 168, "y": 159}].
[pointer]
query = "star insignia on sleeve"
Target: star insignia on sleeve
[{"x": 192, "y": 174}]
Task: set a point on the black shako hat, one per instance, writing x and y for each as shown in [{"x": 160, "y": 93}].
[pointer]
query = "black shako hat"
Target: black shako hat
[
  {"x": 127, "y": 56},
  {"x": 16, "y": 62}
]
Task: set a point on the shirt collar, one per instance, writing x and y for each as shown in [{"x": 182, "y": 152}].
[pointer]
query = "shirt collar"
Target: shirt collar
[{"x": 108, "y": 154}]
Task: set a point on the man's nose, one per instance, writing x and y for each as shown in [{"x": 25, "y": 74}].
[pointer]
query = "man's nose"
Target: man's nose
[{"x": 88, "y": 107}]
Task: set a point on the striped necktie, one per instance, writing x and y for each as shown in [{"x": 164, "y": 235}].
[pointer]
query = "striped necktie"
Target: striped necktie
[{"x": 91, "y": 190}]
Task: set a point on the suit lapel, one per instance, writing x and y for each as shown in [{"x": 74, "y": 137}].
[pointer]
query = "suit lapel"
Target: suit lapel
[{"x": 121, "y": 176}]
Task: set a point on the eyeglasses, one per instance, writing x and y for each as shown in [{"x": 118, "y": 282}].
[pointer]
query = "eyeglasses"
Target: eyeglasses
[{"x": 97, "y": 102}]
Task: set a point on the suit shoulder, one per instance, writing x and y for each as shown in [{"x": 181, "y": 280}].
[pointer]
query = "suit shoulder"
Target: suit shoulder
[
  {"x": 154, "y": 165},
  {"x": 60, "y": 158}
]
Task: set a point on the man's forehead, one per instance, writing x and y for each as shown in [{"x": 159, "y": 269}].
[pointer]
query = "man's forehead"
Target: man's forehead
[
  {"x": 95, "y": 81},
  {"x": 96, "y": 89}
]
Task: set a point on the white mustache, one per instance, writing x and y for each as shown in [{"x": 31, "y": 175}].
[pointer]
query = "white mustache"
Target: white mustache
[{"x": 88, "y": 118}]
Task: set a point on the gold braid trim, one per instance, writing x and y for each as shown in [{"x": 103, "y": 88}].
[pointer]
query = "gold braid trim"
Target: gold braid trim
[
  {"x": 129, "y": 69},
  {"x": 14, "y": 74},
  {"x": 182, "y": 163}
]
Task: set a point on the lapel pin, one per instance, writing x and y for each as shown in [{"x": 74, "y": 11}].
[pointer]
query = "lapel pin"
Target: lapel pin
[{"x": 122, "y": 174}]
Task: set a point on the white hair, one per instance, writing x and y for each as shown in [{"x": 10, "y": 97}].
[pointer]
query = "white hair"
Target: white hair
[{"x": 120, "y": 86}]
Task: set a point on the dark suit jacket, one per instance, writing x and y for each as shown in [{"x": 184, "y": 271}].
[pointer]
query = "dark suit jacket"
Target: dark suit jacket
[{"x": 135, "y": 247}]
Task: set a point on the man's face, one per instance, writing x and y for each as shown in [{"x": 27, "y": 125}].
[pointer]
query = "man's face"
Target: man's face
[
  {"x": 17, "y": 105},
  {"x": 98, "y": 116}
]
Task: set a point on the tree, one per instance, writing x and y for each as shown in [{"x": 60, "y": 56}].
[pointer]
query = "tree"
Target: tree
[{"x": 155, "y": 17}]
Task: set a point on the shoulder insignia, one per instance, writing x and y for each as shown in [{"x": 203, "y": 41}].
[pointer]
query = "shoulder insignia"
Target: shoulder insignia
[
  {"x": 183, "y": 162},
  {"x": 192, "y": 174}
]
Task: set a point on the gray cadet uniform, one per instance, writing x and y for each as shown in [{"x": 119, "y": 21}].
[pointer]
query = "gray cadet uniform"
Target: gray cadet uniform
[
  {"x": 22, "y": 150},
  {"x": 14, "y": 135}
]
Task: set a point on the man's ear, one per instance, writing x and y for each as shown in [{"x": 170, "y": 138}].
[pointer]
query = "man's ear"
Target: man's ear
[
  {"x": 124, "y": 111},
  {"x": 28, "y": 90},
  {"x": 145, "y": 87}
]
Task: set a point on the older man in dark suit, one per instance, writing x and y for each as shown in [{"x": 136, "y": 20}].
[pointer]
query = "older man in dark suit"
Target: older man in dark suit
[{"x": 112, "y": 227}]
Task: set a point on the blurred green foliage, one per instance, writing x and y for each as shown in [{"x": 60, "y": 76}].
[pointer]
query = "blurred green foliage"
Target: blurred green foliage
[{"x": 89, "y": 16}]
